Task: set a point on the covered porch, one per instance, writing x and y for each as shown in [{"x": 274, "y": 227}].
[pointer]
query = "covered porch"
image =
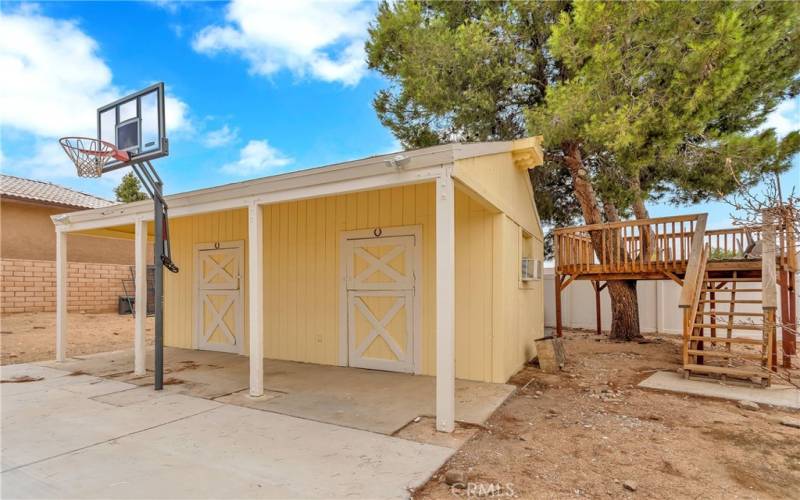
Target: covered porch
[
  {"x": 413, "y": 197},
  {"x": 375, "y": 401}
]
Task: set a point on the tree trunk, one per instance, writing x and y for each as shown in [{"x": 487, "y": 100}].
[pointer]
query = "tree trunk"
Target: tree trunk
[
  {"x": 640, "y": 212},
  {"x": 624, "y": 303},
  {"x": 624, "y": 310}
]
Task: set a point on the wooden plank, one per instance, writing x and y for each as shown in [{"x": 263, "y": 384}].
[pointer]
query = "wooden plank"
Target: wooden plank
[
  {"x": 672, "y": 245},
  {"x": 735, "y": 326},
  {"x": 723, "y": 340},
  {"x": 732, "y": 313},
  {"x": 620, "y": 224},
  {"x": 768, "y": 273},
  {"x": 725, "y": 354},
  {"x": 724, "y": 370},
  {"x": 731, "y": 301},
  {"x": 693, "y": 267},
  {"x": 603, "y": 262},
  {"x": 673, "y": 277}
]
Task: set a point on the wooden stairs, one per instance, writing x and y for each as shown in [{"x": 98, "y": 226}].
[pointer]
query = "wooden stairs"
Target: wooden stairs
[
  {"x": 727, "y": 334},
  {"x": 729, "y": 280}
]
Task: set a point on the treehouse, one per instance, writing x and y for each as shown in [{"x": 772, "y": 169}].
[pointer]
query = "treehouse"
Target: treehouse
[{"x": 732, "y": 284}]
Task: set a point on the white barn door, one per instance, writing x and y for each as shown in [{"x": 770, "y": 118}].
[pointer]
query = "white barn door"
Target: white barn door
[
  {"x": 381, "y": 277},
  {"x": 219, "y": 323}
]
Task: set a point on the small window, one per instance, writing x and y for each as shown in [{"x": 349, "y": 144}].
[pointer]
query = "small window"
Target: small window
[{"x": 530, "y": 268}]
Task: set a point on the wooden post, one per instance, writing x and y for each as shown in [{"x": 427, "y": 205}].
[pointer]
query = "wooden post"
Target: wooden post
[
  {"x": 140, "y": 304},
  {"x": 255, "y": 291},
  {"x": 792, "y": 322},
  {"x": 445, "y": 302},
  {"x": 598, "y": 313},
  {"x": 557, "y": 288},
  {"x": 557, "y": 284},
  {"x": 61, "y": 295},
  {"x": 783, "y": 292},
  {"x": 768, "y": 282},
  {"x": 712, "y": 297}
]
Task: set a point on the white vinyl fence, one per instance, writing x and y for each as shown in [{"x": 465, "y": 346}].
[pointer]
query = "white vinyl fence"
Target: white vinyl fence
[{"x": 658, "y": 305}]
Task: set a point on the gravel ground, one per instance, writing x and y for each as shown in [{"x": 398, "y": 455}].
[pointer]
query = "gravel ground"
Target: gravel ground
[{"x": 589, "y": 432}]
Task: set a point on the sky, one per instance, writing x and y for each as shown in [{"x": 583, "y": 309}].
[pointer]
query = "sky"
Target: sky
[{"x": 254, "y": 88}]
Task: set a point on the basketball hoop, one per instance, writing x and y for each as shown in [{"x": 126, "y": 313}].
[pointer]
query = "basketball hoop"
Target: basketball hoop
[
  {"x": 131, "y": 132},
  {"x": 91, "y": 155}
]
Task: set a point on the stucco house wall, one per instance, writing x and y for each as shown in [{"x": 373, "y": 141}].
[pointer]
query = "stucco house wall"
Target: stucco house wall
[{"x": 27, "y": 262}]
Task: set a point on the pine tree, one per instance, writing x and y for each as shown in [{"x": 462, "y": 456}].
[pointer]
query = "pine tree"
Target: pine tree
[
  {"x": 637, "y": 101},
  {"x": 129, "y": 189}
]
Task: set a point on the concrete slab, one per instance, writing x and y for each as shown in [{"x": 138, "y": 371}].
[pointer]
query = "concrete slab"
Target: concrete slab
[
  {"x": 61, "y": 416},
  {"x": 370, "y": 400},
  {"x": 423, "y": 430},
  {"x": 776, "y": 395},
  {"x": 137, "y": 443},
  {"x": 101, "y": 364},
  {"x": 10, "y": 374}
]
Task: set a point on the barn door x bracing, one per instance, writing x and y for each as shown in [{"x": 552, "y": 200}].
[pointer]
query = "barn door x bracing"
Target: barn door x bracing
[
  {"x": 381, "y": 275},
  {"x": 219, "y": 325}
]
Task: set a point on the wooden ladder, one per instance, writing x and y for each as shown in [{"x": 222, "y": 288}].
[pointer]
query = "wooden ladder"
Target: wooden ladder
[{"x": 735, "y": 359}]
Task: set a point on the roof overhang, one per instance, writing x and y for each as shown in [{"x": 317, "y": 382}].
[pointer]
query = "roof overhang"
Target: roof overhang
[
  {"x": 376, "y": 172},
  {"x": 40, "y": 202}
]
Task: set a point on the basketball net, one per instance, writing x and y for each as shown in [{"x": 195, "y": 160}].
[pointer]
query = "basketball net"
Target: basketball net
[{"x": 90, "y": 155}]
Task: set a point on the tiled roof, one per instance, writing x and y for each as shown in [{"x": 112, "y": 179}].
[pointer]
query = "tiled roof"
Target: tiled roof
[{"x": 28, "y": 189}]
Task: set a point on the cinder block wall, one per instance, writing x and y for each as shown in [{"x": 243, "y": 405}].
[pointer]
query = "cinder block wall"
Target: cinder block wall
[{"x": 30, "y": 286}]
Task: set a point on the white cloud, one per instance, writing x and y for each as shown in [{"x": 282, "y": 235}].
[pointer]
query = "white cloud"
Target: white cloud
[
  {"x": 323, "y": 39},
  {"x": 257, "y": 157},
  {"x": 54, "y": 80},
  {"x": 176, "y": 115},
  {"x": 170, "y": 6},
  {"x": 785, "y": 118},
  {"x": 220, "y": 137}
]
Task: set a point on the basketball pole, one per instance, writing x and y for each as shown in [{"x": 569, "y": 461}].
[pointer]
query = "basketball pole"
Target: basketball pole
[
  {"x": 158, "y": 207},
  {"x": 154, "y": 186}
]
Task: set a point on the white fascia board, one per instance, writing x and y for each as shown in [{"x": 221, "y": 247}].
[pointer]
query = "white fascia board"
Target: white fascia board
[
  {"x": 277, "y": 192},
  {"x": 240, "y": 194},
  {"x": 357, "y": 175}
]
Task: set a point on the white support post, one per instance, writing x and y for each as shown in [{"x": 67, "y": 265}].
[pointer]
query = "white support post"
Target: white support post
[
  {"x": 255, "y": 292},
  {"x": 445, "y": 302},
  {"x": 140, "y": 303},
  {"x": 61, "y": 295}
]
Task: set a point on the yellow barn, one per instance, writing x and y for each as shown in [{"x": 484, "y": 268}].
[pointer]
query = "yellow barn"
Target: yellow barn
[{"x": 426, "y": 262}]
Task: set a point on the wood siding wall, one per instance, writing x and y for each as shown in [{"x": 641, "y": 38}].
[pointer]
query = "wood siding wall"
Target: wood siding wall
[
  {"x": 179, "y": 289},
  {"x": 496, "y": 321},
  {"x": 507, "y": 187},
  {"x": 302, "y": 277}
]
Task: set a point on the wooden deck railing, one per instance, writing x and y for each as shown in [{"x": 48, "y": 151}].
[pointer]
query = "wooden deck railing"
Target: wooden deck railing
[
  {"x": 659, "y": 244},
  {"x": 643, "y": 245}
]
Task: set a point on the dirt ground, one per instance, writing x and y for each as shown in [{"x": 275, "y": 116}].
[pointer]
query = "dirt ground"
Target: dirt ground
[
  {"x": 26, "y": 337},
  {"x": 589, "y": 430}
]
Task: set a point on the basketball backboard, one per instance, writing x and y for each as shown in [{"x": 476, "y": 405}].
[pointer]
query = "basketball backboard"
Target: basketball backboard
[{"x": 135, "y": 124}]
